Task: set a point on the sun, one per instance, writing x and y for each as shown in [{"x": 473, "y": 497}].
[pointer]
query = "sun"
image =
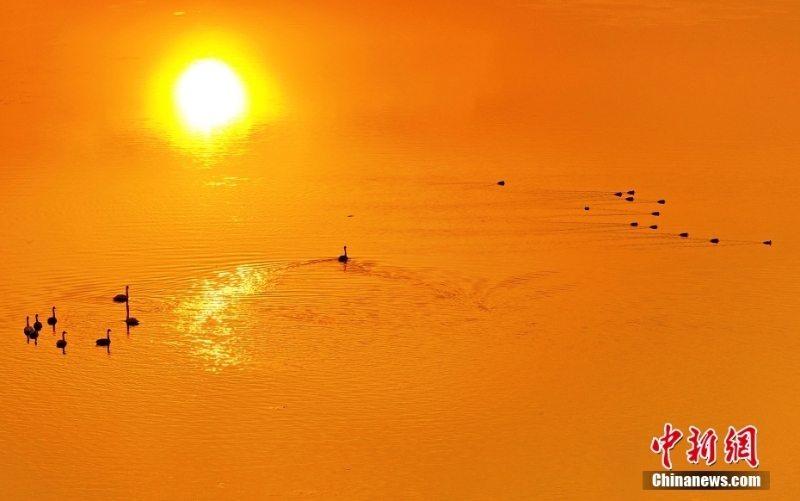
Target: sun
[{"x": 209, "y": 95}]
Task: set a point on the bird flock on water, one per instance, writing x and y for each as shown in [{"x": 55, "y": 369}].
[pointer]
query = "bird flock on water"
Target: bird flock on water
[
  {"x": 32, "y": 331},
  {"x": 629, "y": 197}
]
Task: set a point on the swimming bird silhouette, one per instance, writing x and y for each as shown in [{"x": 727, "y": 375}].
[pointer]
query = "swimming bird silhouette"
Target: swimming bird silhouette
[
  {"x": 35, "y": 336},
  {"x": 37, "y": 325},
  {"x": 653, "y": 226},
  {"x": 129, "y": 320},
  {"x": 655, "y": 213},
  {"x": 104, "y": 341},
  {"x": 53, "y": 320},
  {"x": 634, "y": 223},
  {"x": 715, "y": 240},
  {"x": 662, "y": 201},
  {"x": 632, "y": 192},
  {"x": 501, "y": 183},
  {"x": 122, "y": 298},
  {"x": 62, "y": 343},
  {"x": 767, "y": 242},
  {"x": 343, "y": 258},
  {"x": 28, "y": 330},
  {"x": 618, "y": 194},
  {"x": 629, "y": 199},
  {"x": 586, "y": 208},
  {"x": 684, "y": 235}
]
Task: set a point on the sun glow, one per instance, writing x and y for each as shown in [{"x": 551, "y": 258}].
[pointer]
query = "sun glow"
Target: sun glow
[{"x": 209, "y": 95}]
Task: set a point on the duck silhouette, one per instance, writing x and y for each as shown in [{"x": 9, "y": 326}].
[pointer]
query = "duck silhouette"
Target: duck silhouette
[
  {"x": 501, "y": 183},
  {"x": 662, "y": 201},
  {"x": 767, "y": 242},
  {"x": 715, "y": 240},
  {"x": 629, "y": 199},
  {"x": 632, "y": 192},
  {"x": 684, "y": 235},
  {"x": 634, "y": 223},
  {"x": 656, "y": 213},
  {"x": 618, "y": 194},
  {"x": 653, "y": 226}
]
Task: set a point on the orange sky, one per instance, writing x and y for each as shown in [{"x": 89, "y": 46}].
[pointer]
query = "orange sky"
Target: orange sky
[{"x": 624, "y": 73}]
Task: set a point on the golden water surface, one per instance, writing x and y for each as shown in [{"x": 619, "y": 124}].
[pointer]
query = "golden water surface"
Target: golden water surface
[{"x": 483, "y": 342}]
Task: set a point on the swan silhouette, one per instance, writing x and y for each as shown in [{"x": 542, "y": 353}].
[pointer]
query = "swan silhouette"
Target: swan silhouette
[
  {"x": 53, "y": 320},
  {"x": 37, "y": 325},
  {"x": 104, "y": 341},
  {"x": 122, "y": 298},
  {"x": 343, "y": 258},
  {"x": 28, "y": 330},
  {"x": 129, "y": 320},
  {"x": 62, "y": 343}
]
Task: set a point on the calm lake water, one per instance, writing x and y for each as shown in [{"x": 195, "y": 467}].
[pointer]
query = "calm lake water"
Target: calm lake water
[{"x": 484, "y": 342}]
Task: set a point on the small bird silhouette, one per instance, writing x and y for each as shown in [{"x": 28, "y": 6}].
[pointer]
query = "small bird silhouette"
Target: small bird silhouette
[
  {"x": 715, "y": 240},
  {"x": 62, "y": 343},
  {"x": 53, "y": 320},
  {"x": 767, "y": 242},
  {"x": 655, "y": 213},
  {"x": 129, "y": 320},
  {"x": 122, "y": 298},
  {"x": 632, "y": 192},
  {"x": 501, "y": 183},
  {"x": 104, "y": 341},
  {"x": 28, "y": 330},
  {"x": 662, "y": 201},
  {"x": 618, "y": 194},
  {"x": 629, "y": 199},
  {"x": 684, "y": 235},
  {"x": 586, "y": 208},
  {"x": 653, "y": 226},
  {"x": 634, "y": 223}
]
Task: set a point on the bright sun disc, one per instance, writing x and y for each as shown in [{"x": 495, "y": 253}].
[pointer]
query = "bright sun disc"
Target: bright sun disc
[{"x": 209, "y": 94}]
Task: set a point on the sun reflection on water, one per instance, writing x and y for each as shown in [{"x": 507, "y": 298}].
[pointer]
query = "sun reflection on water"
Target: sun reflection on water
[{"x": 215, "y": 319}]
